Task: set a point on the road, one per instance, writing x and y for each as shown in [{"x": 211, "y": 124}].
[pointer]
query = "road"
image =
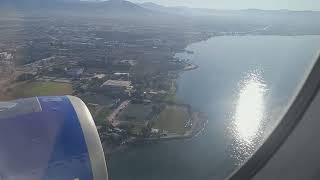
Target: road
[{"x": 112, "y": 119}]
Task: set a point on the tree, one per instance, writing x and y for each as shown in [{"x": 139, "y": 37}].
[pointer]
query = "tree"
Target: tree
[{"x": 146, "y": 130}]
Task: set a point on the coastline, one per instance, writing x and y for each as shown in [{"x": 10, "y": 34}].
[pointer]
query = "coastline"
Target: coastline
[
  {"x": 200, "y": 122},
  {"x": 199, "y": 119}
]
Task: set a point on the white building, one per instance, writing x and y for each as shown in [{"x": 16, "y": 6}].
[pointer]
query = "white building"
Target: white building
[{"x": 115, "y": 86}]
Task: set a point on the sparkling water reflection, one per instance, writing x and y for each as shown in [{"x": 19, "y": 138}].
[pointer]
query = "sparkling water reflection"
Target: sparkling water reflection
[
  {"x": 249, "y": 115},
  {"x": 219, "y": 88}
]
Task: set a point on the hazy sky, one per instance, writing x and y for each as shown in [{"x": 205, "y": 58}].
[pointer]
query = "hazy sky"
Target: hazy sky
[{"x": 242, "y": 4}]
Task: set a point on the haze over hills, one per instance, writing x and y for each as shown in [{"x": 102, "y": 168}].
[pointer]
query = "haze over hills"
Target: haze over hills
[
  {"x": 33, "y": 2},
  {"x": 207, "y": 11},
  {"x": 77, "y": 6},
  {"x": 123, "y": 5},
  {"x": 126, "y": 12}
]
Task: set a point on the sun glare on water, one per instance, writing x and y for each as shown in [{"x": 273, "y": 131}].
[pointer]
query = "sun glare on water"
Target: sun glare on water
[
  {"x": 249, "y": 114},
  {"x": 250, "y": 109}
]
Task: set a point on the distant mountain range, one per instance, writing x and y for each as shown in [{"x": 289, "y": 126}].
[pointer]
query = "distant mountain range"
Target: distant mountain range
[
  {"x": 126, "y": 7},
  {"x": 111, "y": 6},
  {"x": 29, "y": 2},
  {"x": 204, "y": 11},
  {"x": 122, "y": 6},
  {"x": 150, "y": 14}
]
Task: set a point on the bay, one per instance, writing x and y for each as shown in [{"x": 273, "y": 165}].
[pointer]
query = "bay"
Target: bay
[{"x": 243, "y": 84}]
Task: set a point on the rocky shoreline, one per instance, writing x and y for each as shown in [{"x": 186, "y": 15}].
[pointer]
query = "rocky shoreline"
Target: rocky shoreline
[{"x": 199, "y": 123}]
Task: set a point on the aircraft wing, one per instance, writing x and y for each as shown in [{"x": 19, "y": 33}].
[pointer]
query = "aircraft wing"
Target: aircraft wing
[{"x": 49, "y": 138}]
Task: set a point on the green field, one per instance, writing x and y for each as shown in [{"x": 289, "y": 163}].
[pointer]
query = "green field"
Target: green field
[
  {"x": 39, "y": 88},
  {"x": 172, "y": 119},
  {"x": 136, "y": 113}
]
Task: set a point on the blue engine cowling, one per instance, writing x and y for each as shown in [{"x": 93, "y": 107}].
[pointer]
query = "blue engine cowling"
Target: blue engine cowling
[{"x": 49, "y": 138}]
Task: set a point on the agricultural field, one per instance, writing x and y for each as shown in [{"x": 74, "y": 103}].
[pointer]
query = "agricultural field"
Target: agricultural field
[
  {"x": 172, "y": 119},
  {"x": 40, "y": 88},
  {"x": 136, "y": 113}
]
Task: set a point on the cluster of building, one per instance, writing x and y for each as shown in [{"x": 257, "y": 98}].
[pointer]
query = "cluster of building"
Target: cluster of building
[
  {"x": 5, "y": 56},
  {"x": 117, "y": 87},
  {"x": 96, "y": 63},
  {"x": 6, "y": 63}
]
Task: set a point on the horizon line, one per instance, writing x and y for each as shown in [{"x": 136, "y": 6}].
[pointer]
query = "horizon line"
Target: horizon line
[{"x": 206, "y": 8}]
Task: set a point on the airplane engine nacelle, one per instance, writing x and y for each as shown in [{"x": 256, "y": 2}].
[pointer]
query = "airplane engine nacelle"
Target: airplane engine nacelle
[{"x": 49, "y": 138}]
